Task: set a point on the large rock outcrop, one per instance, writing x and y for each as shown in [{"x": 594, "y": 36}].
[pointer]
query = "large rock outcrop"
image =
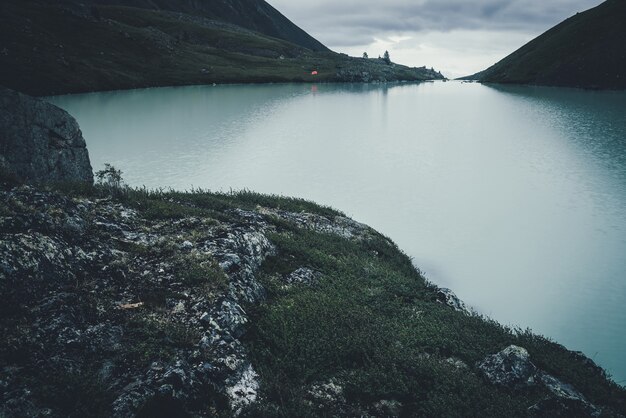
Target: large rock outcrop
[{"x": 40, "y": 142}]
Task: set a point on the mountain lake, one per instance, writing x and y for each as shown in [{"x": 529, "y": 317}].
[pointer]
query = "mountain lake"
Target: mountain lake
[{"x": 513, "y": 197}]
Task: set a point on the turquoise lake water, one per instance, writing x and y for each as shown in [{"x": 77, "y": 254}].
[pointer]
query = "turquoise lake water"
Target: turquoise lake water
[{"x": 514, "y": 197}]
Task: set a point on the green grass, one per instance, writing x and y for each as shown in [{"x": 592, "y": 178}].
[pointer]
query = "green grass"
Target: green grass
[
  {"x": 161, "y": 204},
  {"x": 196, "y": 269},
  {"x": 369, "y": 323},
  {"x": 372, "y": 323},
  {"x": 50, "y": 50},
  {"x": 146, "y": 341},
  {"x": 94, "y": 399}
]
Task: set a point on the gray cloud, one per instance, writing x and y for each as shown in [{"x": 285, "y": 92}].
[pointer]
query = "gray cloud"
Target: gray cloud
[
  {"x": 458, "y": 37},
  {"x": 356, "y": 22}
]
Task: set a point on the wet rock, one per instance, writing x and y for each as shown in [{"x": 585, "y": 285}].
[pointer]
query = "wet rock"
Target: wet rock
[
  {"x": 510, "y": 367},
  {"x": 40, "y": 142}
]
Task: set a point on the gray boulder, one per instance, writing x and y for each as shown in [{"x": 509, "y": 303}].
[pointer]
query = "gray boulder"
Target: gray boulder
[
  {"x": 40, "y": 142},
  {"x": 510, "y": 367}
]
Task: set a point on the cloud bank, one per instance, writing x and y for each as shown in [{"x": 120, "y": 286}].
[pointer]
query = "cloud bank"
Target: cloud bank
[{"x": 455, "y": 26}]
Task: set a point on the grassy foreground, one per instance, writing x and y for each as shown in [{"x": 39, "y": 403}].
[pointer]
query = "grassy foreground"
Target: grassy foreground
[{"x": 371, "y": 325}]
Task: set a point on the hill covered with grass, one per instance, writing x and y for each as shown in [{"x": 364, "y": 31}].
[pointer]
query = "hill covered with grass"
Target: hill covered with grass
[
  {"x": 130, "y": 303},
  {"x": 61, "y": 47},
  {"x": 587, "y": 50},
  {"x": 255, "y": 15}
]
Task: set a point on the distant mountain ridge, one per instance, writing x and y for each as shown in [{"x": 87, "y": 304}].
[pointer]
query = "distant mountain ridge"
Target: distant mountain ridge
[
  {"x": 587, "y": 50},
  {"x": 255, "y": 15}
]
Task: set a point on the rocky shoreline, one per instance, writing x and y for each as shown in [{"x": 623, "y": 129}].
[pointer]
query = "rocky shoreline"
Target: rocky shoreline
[
  {"x": 152, "y": 311},
  {"x": 134, "y": 303}
]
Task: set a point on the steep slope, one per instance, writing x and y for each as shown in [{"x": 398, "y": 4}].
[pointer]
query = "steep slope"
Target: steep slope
[
  {"x": 587, "y": 50},
  {"x": 68, "y": 47},
  {"x": 256, "y": 15}
]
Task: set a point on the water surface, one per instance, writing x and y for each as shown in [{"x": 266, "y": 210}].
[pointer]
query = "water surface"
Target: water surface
[{"x": 514, "y": 197}]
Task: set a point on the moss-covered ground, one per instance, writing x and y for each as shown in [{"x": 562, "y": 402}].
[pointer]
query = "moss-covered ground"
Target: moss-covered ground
[{"x": 371, "y": 324}]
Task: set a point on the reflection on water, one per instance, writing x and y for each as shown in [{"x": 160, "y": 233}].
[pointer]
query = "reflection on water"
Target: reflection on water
[{"x": 515, "y": 197}]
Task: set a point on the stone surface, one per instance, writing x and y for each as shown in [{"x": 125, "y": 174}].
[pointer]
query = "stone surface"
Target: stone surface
[
  {"x": 92, "y": 288},
  {"x": 448, "y": 297},
  {"x": 40, "y": 142},
  {"x": 565, "y": 401},
  {"x": 304, "y": 276},
  {"x": 80, "y": 286},
  {"x": 337, "y": 225},
  {"x": 510, "y": 367},
  {"x": 329, "y": 392},
  {"x": 513, "y": 368}
]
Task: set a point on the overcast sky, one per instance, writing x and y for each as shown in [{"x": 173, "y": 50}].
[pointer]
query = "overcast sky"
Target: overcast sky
[{"x": 457, "y": 37}]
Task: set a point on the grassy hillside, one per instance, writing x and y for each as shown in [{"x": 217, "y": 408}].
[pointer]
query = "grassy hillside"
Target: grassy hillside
[
  {"x": 55, "y": 48},
  {"x": 343, "y": 324},
  {"x": 255, "y": 15},
  {"x": 587, "y": 50}
]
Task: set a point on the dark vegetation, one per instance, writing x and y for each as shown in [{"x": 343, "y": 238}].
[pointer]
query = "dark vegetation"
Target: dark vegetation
[
  {"x": 587, "y": 50},
  {"x": 254, "y": 15},
  {"x": 372, "y": 325},
  {"x": 61, "y": 47}
]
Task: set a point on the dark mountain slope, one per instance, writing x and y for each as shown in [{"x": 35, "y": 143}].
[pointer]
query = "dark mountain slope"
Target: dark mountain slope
[
  {"x": 256, "y": 15},
  {"x": 59, "y": 47},
  {"x": 587, "y": 50}
]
